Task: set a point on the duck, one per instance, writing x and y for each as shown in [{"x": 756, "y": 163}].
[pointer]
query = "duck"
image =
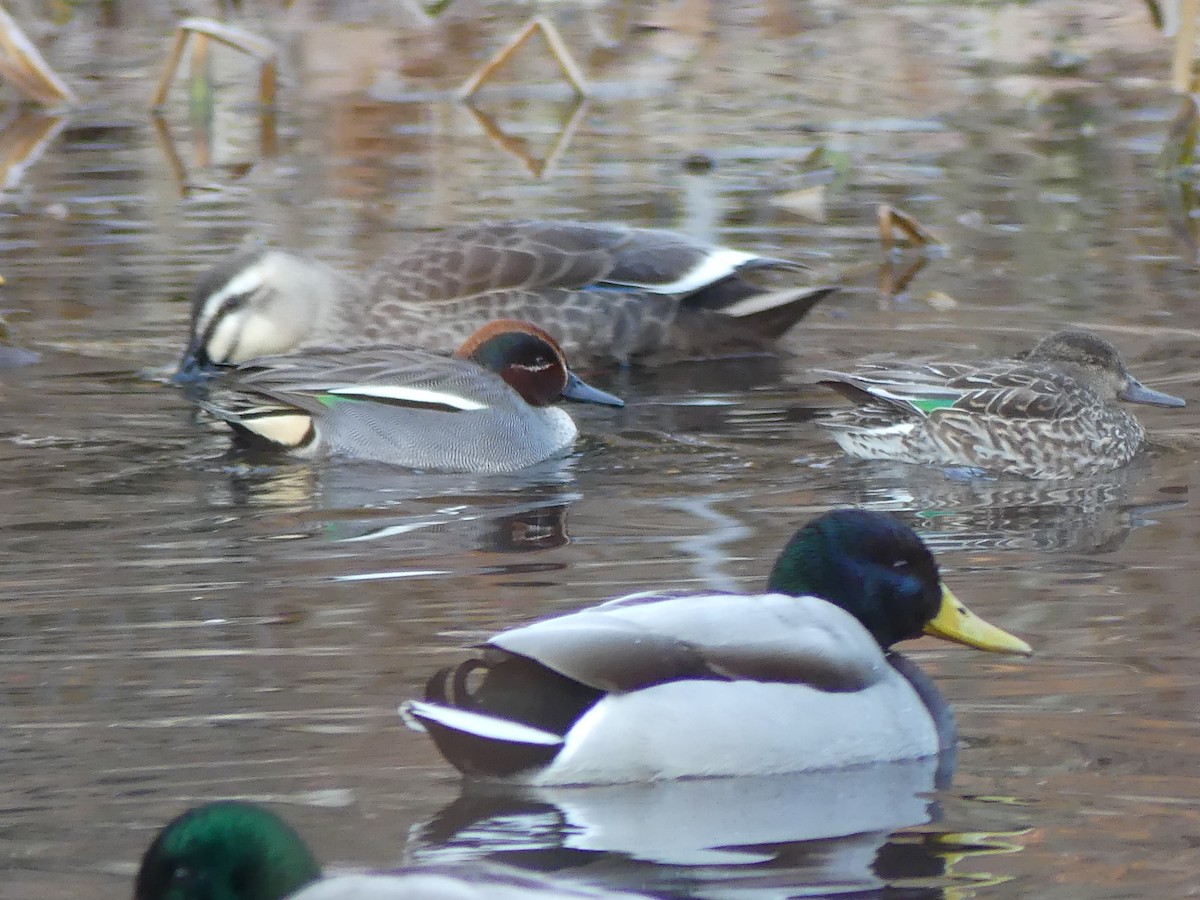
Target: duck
[
  {"x": 605, "y": 292},
  {"x": 658, "y": 686},
  {"x": 490, "y": 408},
  {"x": 1049, "y": 415},
  {"x": 236, "y": 850}
]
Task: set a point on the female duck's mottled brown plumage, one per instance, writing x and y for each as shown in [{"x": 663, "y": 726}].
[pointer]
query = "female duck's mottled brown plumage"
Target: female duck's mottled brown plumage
[
  {"x": 1049, "y": 415},
  {"x": 602, "y": 291}
]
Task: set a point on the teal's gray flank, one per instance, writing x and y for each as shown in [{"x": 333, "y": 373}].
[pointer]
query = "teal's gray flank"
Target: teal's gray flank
[{"x": 406, "y": 407}]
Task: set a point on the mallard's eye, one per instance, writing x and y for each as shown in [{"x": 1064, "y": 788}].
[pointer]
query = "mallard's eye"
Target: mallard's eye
[{"x": 902, "y": 565}]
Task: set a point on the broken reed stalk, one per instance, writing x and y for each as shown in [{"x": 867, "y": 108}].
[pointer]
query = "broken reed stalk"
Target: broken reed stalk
[
  {"x": 892, "y": 220},
  {"x": 239, "y": 39},
  {"x": 22, "y": 64},
  {"x": 555, "y": 43},
  {"x": 1182, "y": 75}
]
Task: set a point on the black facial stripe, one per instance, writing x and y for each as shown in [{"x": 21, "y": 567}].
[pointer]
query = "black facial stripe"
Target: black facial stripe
[{"x": 230, "y": 305}]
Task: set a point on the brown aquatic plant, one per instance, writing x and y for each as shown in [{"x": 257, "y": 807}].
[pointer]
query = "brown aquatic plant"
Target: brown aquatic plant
[
  {"x": 554, "y": 42},
  {"x": 198, "y": 32},
  {"x": 22, "y": 65},
  {"x": 892, "y": 220}
]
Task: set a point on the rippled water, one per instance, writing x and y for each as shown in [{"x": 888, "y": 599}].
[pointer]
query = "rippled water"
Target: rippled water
[{"x": 179, "y": 624}]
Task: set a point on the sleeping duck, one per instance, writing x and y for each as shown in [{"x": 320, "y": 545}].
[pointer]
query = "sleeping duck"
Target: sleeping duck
[{"x": 668, "y": 685}]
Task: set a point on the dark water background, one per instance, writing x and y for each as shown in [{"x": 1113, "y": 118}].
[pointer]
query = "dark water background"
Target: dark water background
[{"x": 178, "y": 625}]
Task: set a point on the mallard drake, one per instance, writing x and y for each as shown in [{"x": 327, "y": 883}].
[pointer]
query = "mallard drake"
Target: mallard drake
[
  {"x": 1048, "y": 415},
  {"x": 603, "y": 291},
  {"x": 489, "y": 408},
  {"x": 231, "y": 850},
  {"x": 658, "y": 686}
]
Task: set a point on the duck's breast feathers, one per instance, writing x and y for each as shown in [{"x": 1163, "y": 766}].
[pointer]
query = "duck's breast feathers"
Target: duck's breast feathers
[{"x": 651, "y": 639}]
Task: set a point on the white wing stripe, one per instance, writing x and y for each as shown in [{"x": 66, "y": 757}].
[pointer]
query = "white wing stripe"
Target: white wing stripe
[
  {"x": 480, "y": 725},
  {"x": 405, "y": 394},
  {"x": 715, "y": 266}
]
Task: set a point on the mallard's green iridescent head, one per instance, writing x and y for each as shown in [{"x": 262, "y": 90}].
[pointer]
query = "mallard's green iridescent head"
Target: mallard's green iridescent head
[
  {"x": 878, "y": 570},
  {"x": 225, "y": 851}
]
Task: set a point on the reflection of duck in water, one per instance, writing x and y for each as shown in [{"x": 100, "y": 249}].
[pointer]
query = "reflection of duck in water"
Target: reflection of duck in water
[
  {"x": 240, "y": 851},
  {"x": 745, "y": 837},
  {"x": 1090, "y": 514},
  {"x": 656, "y": 686},
  {"x": 1049, "y": 415}
]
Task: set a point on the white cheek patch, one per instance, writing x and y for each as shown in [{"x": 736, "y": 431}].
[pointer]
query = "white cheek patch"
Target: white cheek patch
[
  {"x": 402, "y": 394},
  {"x": 240, "y": 336},
  {"x": 261, "y": 336},
  {"x": 223, "y": 340}
]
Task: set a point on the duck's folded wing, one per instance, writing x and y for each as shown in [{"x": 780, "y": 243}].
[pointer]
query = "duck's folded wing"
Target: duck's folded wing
[
  {"x": 667, "y": 262},
  {"x": 1020, "y": 392},
  {"x": 387, "y": 375},
  {"x": 624, "y": 646},
  {"x": 471, "y": 260},
  {"x": 911, "y": 388},
  {"x": 1016, "y": 404},
  {"x": 492, "y": 256}
]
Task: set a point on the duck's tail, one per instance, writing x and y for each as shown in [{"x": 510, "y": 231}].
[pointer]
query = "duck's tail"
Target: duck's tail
[{"x": 771, "y": 313}]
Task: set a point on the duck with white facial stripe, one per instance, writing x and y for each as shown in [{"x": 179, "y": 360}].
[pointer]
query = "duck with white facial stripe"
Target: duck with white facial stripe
[
  {"x": 602, "y": 291},
  {"x": 489, "y": 408}
]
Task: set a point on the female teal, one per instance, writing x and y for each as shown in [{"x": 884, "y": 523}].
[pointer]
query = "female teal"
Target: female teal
[{"x": 1051, "y": 414}]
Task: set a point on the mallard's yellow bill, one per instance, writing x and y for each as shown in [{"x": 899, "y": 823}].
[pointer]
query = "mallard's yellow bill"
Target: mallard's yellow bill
[{"x": 954, "y": 622}]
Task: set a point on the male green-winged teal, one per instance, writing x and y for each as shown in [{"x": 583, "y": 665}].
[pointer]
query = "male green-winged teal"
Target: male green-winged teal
[
  {"x": 488, "y": 408},
  {"x": 231, "y": 850},
  {"x": 602, "y": 291},
  {"x": 660, "y": 686},
  {"x": 1048, "y": 415}
]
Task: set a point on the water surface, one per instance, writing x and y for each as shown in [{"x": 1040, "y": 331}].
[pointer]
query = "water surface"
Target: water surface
[{"x": 178, "y": 623}]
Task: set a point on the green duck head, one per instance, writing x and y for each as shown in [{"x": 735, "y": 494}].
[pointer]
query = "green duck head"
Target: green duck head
[
  {"x": 227, "y": 850},
  {"x": 878, "y": 570}
]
